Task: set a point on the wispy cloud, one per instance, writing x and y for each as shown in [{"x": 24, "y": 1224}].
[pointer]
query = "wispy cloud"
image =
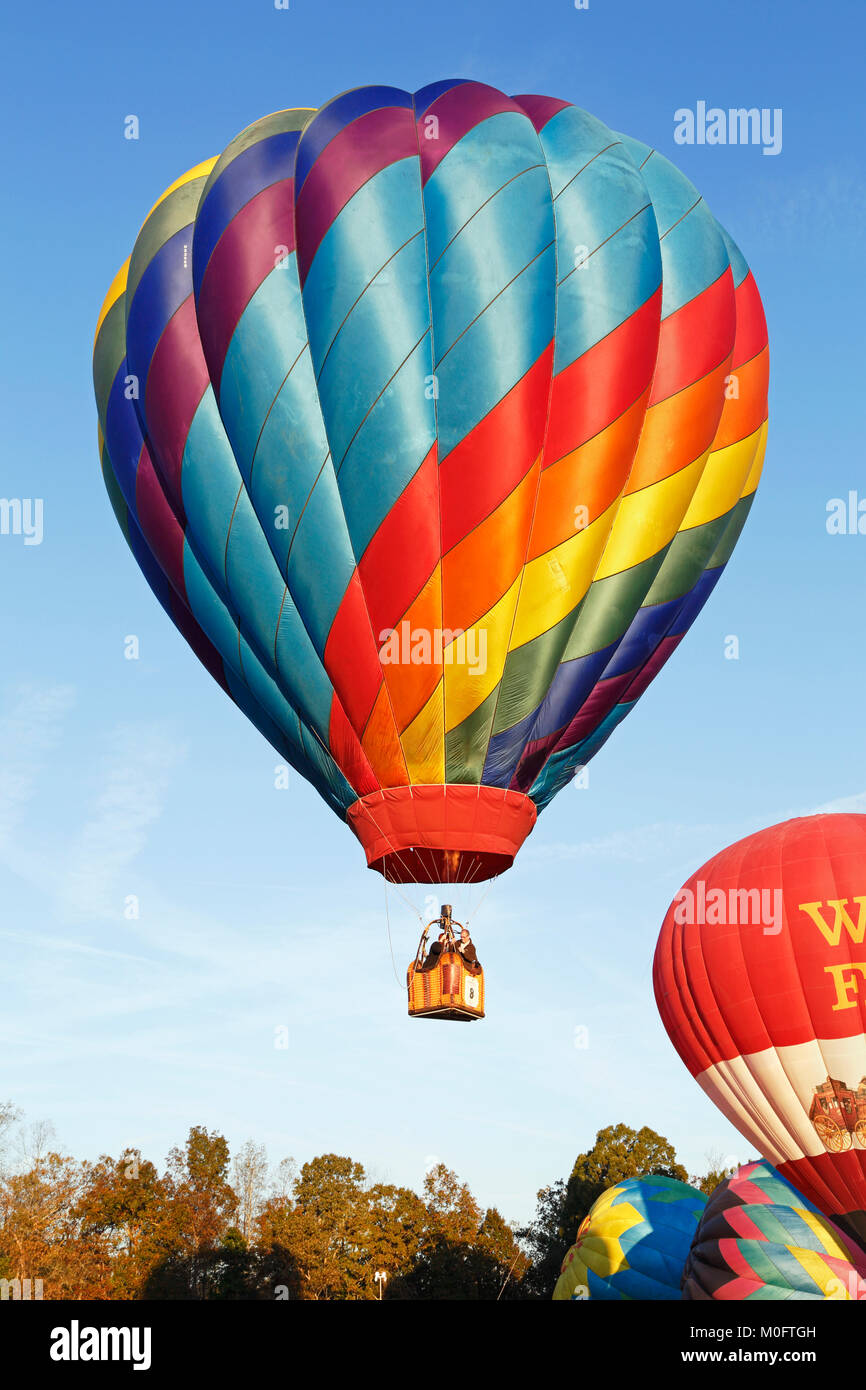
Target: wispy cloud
[
  {"x": 852, "y": 804},
  {"x": 29, "y": 730},
  {"x": 640, "y": 845},
  {"x": 832, "y": 198},
  {"x": 133, "y": 782}
]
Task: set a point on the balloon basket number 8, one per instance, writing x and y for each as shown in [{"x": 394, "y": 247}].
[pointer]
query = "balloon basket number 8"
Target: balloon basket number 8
[{"x": 441, "y": 982}]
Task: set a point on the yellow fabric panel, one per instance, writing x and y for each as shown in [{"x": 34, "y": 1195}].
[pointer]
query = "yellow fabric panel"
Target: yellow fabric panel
[
  {"x": 617, "y": 1221},
  {"x": 603, "y": 1254},
  {"x": 554, "y": 583},
  {"x": 722, "y": 482},
  {"x": 757, "y": 467},
  {"x": 198, "y": 171},
  {"x": 649, "y": 519},
  {"x": 573, "y": 1274},
  {"x": 115, "y": 290},
  {"x": 465, "y": 691},
  {"x": 815, "y": 1266},
  {"x": 423, "y": 741},
  {"x": 827, "y": 1237}
]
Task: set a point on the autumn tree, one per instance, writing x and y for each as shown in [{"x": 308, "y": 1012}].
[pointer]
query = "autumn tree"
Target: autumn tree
[
  {"x": 465, "y": 1253},
  {"x": 128, "y": 1204},
  {"x": 324, "y": 1229},
  {"x": 41, "y": 1236},
  {"x": 201, "y": 1208}
]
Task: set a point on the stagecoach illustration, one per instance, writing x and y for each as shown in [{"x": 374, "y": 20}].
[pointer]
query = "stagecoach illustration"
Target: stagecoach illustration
[{"x": 838, "y": 1114}]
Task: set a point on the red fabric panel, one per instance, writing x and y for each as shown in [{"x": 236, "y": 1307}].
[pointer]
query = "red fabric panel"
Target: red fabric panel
[
  {"x": 458, "y": 111},
  {"x": 242, "y": 259},
  {"x": 540, "y": 110},
  {"x": 696, "y": 338},
  {"x": 603, "y": 382},
  {"x": 351, "y": 658},
  {"x": 486, "y": 466},
  {"x": 160, "y": 526},
  {"x": 751, "y": 323},
  {"x": 361, "y": 149},
  {"x": 176, "y": 381},
  {"x": 346, "y": 750},
  {"x": 404, "y": 551}
]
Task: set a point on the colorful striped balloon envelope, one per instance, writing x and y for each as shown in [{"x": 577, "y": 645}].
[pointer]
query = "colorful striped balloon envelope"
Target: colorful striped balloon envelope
[
  {"x": 432, "y": 420},
  {"x": 761, "y": 1239}
]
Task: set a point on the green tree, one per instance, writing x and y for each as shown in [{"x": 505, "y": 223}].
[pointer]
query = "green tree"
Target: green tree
[
  {"x": 618, "y": 1153},
  {"x": 464, "y": 1253},
  {"x": 545, "y": 1241},
  {"x": 717, "y": 1173},
  {"x": 316, "y": 1242}
]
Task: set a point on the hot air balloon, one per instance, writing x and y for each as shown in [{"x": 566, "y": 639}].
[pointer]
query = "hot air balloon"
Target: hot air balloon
[
  {"x": 634, "y": 1242},
  {"x": 760, "y": 979},
  {"x": 760, "y": 1239},
  {"x": 432, "y": 420}
]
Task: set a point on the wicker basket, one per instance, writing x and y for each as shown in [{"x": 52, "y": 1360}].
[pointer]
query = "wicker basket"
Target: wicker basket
[{"x": 453, "y": 989}]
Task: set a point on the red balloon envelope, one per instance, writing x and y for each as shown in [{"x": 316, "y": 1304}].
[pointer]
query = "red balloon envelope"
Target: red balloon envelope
[{"x": 760, "y": 979}]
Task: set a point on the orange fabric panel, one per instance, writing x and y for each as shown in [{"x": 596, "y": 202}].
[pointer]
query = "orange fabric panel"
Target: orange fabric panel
[
  {"x": 381, "y": 744},
  {"x": 592, "y": 476},
  {"x": 677, "y": 431},
  {"x": 411, "y": 685},
  {"x": 741, "y": 417},
  {"x": 478, "y": 571}
]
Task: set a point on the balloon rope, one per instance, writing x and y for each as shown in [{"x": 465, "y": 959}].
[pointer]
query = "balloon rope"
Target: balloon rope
[
  {"x": 477, "y": 906},
  {"x": 390, "y": 943}
]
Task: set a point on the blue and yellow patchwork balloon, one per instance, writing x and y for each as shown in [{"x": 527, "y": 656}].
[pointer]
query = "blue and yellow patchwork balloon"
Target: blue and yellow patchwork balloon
[{"x": 634, "y": 1242}]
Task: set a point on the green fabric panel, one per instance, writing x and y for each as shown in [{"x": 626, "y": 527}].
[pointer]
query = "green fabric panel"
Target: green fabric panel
[
  {"x": 686, "y": 561},
  {"x": 529, "y": 671},
  {"x": 108, "y": 353},
  {"x": 115, "y": 496},
  {"x": 610, "y": 606},
  {"x": 722, "y": 554},
  {"x": 466, "y": 746},
  {"x": 176, "y": 211},
  {"x": 276, "y": 124}
]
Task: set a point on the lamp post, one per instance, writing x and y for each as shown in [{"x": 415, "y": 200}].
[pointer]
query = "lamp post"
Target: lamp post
[{"x": 381, "y": 1277}]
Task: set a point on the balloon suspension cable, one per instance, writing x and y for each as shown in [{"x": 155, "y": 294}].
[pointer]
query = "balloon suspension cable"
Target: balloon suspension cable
[
  {"x": 477, "y": 908},
  {"x": 390, "y": 942},
  {"x": 508, "y": 1275}
]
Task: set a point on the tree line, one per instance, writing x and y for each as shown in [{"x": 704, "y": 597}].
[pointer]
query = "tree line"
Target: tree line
[{"x": 212, "y": 1225}]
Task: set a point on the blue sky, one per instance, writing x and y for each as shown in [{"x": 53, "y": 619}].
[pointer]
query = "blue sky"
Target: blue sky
[{"x": 120, "y": 778}]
